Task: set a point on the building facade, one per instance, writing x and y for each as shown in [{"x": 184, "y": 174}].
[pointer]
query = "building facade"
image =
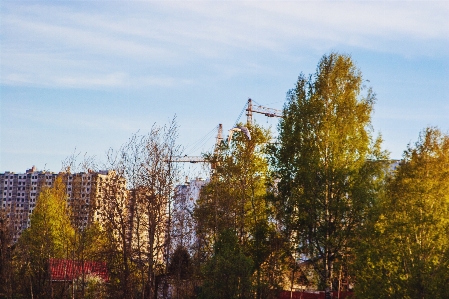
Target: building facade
[
  {"x": 19, "y": 193},
  {"x": 18, "y": 196},
  {"x": 183, "y": 225}
]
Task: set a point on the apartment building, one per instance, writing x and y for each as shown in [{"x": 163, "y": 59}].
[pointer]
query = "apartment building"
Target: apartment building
[
  {"x": 183, "y": 226},
  {"x": 85, "y": 191},
  {"x": 18, "y": 196},
  {"x": 19, "y": 193}
]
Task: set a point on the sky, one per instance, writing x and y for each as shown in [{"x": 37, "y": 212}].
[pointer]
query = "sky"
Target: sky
[{"x": 83, "y": 76}]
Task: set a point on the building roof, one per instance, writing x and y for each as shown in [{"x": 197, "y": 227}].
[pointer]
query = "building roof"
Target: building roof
[{"x": 64, "y": 270}]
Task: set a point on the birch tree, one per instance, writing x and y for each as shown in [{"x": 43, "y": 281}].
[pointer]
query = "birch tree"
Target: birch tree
[
  {"x": 50, "y": 235},
  {"x": 405, "y": 252},
  {"x": 324, "y": 163},
  {"x": 235, "y": 199}
]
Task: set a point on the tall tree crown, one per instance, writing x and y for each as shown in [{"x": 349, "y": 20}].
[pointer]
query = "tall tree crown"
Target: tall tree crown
[
  {"x": 327, "y": 116},
  {"x": 326, "y": 181}
]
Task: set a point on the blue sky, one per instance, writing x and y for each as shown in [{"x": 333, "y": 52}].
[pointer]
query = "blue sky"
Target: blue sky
[{"x": 88, "y": 74}]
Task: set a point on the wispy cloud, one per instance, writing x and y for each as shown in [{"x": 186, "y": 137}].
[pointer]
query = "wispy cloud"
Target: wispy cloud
[
  {"x": 275, "y": 24},
  {"x": 95, "y": 81},
  {"x": 67, "y": 120},
  {"x": 93, "y": 45}
]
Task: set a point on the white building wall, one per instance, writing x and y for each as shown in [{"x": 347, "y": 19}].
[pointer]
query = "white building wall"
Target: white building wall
[{"x": 183, "y": 226}]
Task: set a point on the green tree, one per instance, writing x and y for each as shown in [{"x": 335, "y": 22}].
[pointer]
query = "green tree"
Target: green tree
[
  {"x": 406, "y": 250},
  {"x": 180, "y": 264},
  {"x": 50, "y": 235},
  {"x": 228, "y": 273},
  {"x": 6, "y": 250},
  {"x": 324, "y": 164},
  {"x": 235, "y": 198},
  {"x": 180, "y": 270}
]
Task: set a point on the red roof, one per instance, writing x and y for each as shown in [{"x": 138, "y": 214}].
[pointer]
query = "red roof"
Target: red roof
[
  {"x": 313, "y": 295},
  {"x": 63, "y": 270}
]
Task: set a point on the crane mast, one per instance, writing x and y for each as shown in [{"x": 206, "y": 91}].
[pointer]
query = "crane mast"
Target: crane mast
[{"x": 218, "y": 139}]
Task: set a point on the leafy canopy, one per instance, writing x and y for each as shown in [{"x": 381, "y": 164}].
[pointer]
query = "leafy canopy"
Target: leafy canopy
[
  {"x": 405, "y": 253},
  {"x": 323, "y": 164}
]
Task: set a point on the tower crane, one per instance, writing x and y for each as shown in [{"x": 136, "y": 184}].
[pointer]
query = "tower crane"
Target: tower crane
[
  {"x": 250, "y": 109},
  {"x": 270, "y": 112},
  {"x": 201, "y": 159}
]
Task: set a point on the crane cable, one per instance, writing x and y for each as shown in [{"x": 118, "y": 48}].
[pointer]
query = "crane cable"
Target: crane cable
[
  {"x": 240, "y": 115},
  {"x": 200, "y": 143}
]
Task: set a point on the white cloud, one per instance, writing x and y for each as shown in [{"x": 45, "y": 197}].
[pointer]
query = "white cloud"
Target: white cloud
[
  {"x": 270, "y": 23},
  {"x": 108, "y": 80},
  {"x": 68, "y": 120},
  {"x": 47, "y": 70},
  {"x": 90, "y": 38},
  {"x": 89, "y": 45}
]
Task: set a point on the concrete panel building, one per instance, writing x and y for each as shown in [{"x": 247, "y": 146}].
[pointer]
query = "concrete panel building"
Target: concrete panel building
[{"x": 19, "y": 193}]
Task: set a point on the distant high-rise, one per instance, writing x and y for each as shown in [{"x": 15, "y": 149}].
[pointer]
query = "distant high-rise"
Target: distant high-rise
[
  {"x": 183, "y": 226},
  {"x": 19, "y": 193}
]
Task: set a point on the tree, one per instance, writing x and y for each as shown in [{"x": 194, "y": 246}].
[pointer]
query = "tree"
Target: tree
[
  {"x": 136, "y": 205},
  {"x": 114, "y": 221},
  {"x": 235, "y": 198},
  {"x": 405, "y": 253},
  {"x": 89, "y": 240},
  {"x": 182, "y": 224},
  {"x": 180, "y": 270},
  {"x": 324, "y": 163},
  {"x": 6, "y": 251},
  {"x": 228, "y": 273},
  {"x": 50, "y": 235},
  {"x": 180, "y": 264}
]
